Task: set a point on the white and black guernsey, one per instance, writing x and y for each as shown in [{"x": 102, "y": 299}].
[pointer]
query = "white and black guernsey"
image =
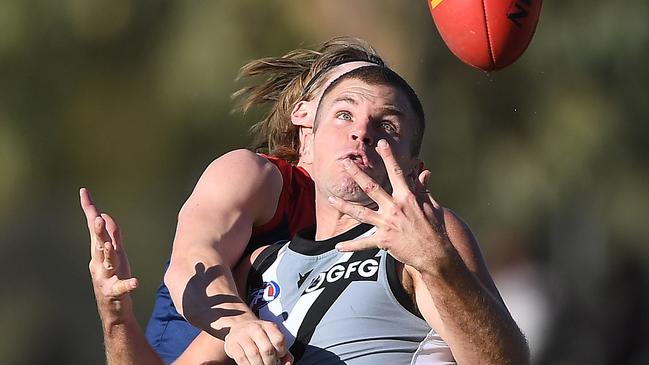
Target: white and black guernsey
[{"x": 341, "y": 308}]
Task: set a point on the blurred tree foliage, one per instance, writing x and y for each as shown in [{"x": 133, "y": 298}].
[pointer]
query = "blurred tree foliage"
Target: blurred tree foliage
[{"x": 547, "y": 159}]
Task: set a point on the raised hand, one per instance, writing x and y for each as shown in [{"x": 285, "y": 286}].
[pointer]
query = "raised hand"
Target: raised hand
[
  {"x": 410, "y": 223},
  {"x": 109, "y": 268}
]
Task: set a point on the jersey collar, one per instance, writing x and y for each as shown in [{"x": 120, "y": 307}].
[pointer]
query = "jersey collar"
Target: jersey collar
[{"x": 304, "y": 241}]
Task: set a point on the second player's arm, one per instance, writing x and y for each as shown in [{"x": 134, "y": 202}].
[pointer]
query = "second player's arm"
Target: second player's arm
[
  {"x": 206, "y": 349},
  {"x": 236, "y": 192}
]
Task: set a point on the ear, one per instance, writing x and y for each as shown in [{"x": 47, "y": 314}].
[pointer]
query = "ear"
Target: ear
[
  {"x": 303, "y": 114},
  {"x": 306, "y": 145}
]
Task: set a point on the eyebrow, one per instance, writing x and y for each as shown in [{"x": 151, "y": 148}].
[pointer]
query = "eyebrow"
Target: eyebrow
[
  {"x": 387, "y": 110},
  {"x": 345, "y": 99},
  {"x": 392, "y": 110}
]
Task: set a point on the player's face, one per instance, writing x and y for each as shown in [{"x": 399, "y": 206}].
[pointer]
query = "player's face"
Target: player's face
[{"x": 353, "y": 117}]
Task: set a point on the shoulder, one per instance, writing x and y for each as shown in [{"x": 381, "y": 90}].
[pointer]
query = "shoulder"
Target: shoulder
[
  {"x": 240, "y": 173},
  {"x": 464, "y": 241},
  {"x": 239, "y": 183},
  {"x": 243, "y": 162}
]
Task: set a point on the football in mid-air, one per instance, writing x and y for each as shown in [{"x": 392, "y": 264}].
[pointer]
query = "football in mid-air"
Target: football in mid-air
[{"x": 486, "y": 34}]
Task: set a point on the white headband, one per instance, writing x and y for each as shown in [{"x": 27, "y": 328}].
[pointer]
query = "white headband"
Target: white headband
[{"x": 333, "y": 74}]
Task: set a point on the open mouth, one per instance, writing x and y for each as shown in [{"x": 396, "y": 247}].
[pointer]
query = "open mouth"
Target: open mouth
[{"x": 358, "y": 158}]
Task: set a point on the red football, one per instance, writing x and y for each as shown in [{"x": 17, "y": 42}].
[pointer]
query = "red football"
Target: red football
[{"x": 486, "y": 34}]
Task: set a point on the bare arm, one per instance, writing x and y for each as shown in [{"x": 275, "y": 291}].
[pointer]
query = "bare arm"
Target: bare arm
[
  {"x": 237, "y": 191},
  {"x": 453, "y": 289},
  {"x": 206, "y": 349},
  {"x": 456, "y": 295},
  {"x": 125, "y": 343},
  {"x": 124, "y": 340}
]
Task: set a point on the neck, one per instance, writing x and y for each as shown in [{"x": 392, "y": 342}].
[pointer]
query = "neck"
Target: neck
[
  {"x": 305, "y": 166},
  {"x": 330, "y": 221}
]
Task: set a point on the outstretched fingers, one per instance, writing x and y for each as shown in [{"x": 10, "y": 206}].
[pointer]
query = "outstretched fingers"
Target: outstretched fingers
[
  {"x": 395, "y": 172},
  {"x": 369, "y": 186},
  {"x": 118, "y": 287},
  {"x": 87, "y": 205},
  {"x": 98, "y": 236},
  {"x": 422, "y": 182},
  {"x": 113, "y": 231},
  {"x": 110, "y": 261},
  {"x": 433, "y": 211},
  {"x": 358, "y": 212},
  {"x": 123, "y": 287},
  {"x": 359, "y": 244},
  {"x": 96, "y": 225}
]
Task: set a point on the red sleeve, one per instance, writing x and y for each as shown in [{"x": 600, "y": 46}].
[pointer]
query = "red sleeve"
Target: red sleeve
[{"x": 296, "y": 201}]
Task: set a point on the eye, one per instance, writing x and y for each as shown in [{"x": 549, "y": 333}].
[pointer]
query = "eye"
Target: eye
[
  {"x": 344, "y": 116},
  {"x": 388, "y": 127}
]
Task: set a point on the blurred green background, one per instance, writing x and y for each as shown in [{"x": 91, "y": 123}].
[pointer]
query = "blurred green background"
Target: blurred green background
[{"x": 546, "y": 159}]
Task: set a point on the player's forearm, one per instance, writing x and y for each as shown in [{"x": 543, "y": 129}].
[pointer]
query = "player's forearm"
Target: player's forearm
[
  {"x": 124, "y": 341},
  {"x": 193, "y": 275},
  {"x": 204, "y": 292},
  {"x": 126, "y": 345},
  {"x": 477, "y": 326}
]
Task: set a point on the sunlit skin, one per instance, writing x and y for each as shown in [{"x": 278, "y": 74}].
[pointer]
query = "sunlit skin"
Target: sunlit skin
[
  {"x": 364, "y": 172},
  {"x": 380, "y": 183},
  {"x": 352, "y": 118}
]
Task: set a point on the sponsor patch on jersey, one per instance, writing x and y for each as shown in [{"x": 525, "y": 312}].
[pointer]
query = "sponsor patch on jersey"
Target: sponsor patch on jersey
[
  {"x": 342, "y": 272},
  {"x": 260, "y": 297},
  {"x": 302, "y": 278}
]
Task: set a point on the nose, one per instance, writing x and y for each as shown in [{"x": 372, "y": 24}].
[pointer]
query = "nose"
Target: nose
[{"x": 363, "y": 134}]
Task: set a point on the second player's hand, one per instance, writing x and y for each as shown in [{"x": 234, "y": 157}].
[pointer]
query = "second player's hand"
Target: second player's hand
[
  {"x": 257, "y": 342},
  {"x": 109, "y": 268},
  {"x": 410, "y": 224}
]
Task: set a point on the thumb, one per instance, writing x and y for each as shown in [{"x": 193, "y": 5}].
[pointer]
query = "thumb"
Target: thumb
[
  {"x": 123, "y": 287},
  {"x": 357, "y": 245}
]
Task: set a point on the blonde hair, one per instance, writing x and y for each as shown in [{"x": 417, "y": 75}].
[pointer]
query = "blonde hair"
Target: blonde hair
[{"x": 286, "y": 78}]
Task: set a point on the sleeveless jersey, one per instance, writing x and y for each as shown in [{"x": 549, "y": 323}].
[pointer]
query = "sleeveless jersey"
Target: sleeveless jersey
[
  {"x": 167, "y": 331},
  {"x": 340, "y": 308}
]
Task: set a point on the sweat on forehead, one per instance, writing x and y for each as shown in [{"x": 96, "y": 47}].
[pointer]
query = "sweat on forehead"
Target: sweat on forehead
[{"x": 382, "y": 75}]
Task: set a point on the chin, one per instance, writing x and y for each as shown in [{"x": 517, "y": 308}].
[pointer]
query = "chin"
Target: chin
[{"x": 352, "y": 193}]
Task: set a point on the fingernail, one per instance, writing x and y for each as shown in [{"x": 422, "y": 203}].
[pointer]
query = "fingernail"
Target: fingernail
[
  {"x": 382, "y": 143},
  {"x": 347, "y": 163},
  {"x": 340, "y": 247},
  {"x": 331, "y": 199}
]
